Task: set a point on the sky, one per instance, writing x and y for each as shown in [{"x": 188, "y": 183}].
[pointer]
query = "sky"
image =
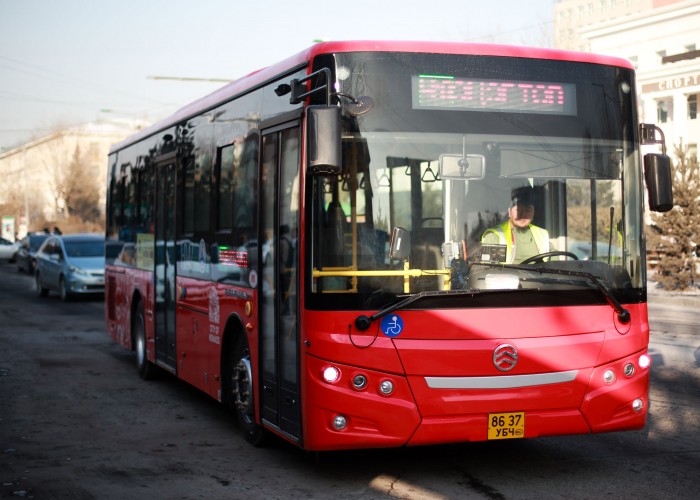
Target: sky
[{"x": 70, "y": 62}]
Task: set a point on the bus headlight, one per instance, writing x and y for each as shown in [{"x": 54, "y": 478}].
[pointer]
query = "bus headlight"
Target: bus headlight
[
  {"x": 386, "y": 387},
  {"x": 331, "y": 374},
  {"x": 359, "y": 381},
  {"x": 340, "y": 422},
  {"x": 644, "y": 361},
  {"x": 609, "y": 376},
  {"x": 638, "y": 405}
]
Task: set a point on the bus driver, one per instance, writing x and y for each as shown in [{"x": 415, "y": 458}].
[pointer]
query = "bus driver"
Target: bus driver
[{"x": 521, "y": 237}]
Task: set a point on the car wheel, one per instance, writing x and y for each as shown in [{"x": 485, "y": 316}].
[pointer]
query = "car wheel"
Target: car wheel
[
  {"x": 40, "y": 289},
  {"x": 63, "y": 289},
  {"x": 146, "y": 369}
]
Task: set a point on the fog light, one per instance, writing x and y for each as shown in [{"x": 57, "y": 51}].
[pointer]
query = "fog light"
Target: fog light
[
  {"x": 386, "y": 387},
  {"x": 331, "y": 374},
  {"x": 629, "y": 369},
  {"x": 609, "y": 376},
  {"x": 638, "y": 405},
  {"x": 644, "y": 361},
  {"x": 340, "y": 423},
  {"x": 359, "y": 381}
]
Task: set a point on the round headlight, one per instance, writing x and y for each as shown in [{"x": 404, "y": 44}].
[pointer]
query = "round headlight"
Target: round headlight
[
  {"x": 340, "y": 422},
  {"x": 331, "y": 374},
  {"x": 638, "y": 405},
  {"x": 359, "y": 381},
  {"x": 644, "y": 361},
  {"x": 609, "y": 376},
  {"x": 386, "y": 387}
]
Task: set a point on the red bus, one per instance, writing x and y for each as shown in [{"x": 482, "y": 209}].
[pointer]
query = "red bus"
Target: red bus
[{"x": 306, "y": 245}]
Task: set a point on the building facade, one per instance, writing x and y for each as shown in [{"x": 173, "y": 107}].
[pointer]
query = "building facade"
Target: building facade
[
  {"x": 34, "y": 174},
  {"x": 662, "y": 39},
  {"x": 573, "y": 17}
]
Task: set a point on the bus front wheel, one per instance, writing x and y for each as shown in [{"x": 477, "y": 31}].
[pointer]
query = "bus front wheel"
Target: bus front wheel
[
  {"x": 240, "y": 392},
  {"x": 146, "y": 369}
]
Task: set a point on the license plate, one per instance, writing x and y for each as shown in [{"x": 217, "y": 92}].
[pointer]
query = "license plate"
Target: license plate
[{"x": 506, "y": 425}]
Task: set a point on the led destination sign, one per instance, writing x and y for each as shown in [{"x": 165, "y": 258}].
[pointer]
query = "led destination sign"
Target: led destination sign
[{"x": 471, "y": 94}]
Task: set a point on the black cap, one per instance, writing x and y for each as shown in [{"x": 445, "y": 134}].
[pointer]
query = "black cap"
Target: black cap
[{"x": 523, "y": 196}]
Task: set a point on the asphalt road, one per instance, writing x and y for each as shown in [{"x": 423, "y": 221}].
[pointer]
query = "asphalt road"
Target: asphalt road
[{"x": 76, "y": 422}]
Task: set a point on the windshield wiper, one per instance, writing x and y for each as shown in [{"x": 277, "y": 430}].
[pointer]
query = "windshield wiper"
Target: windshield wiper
[
  {"x": 363, "y": 322},
  {"x": 622, "y": 314}
]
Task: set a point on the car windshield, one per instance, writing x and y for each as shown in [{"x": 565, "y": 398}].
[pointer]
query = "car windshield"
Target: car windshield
[{"x": 85, "y": 248}]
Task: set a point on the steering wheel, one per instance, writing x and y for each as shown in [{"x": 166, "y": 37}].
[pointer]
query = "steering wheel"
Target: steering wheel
[{"x": 542, "y": 256}]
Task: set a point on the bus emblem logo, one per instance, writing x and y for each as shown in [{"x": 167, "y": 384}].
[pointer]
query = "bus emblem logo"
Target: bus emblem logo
[{"x": 505, "y": 357}]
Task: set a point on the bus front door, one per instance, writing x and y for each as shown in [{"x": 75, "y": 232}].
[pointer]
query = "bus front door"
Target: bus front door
[
  {"x": 166, "y": 183},
  {"x": 279, "y": 227}
]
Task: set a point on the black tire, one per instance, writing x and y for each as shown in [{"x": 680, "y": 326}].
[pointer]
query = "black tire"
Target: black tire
[
  {"x": 40, "y": 289},
  {"x": 146, "y": 369},
  {"x": 239, "y": 392},
  {"x": 65, "y": 294}
]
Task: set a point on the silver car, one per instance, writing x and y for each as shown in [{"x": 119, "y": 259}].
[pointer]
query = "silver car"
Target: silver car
[
  {"x": 8, "y": 249},
  {"x": 71, "y": 265}
]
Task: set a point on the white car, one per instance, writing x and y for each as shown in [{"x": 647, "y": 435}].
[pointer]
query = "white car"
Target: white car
[{"x": 8, "y": 249}]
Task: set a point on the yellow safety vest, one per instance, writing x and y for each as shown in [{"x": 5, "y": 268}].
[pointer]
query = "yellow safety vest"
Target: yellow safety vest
[{"x": 505, "y": 237}]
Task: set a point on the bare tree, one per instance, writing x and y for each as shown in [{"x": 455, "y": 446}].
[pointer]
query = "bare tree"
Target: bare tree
[
  {"x": 80, "y": 191},
  {"x": 54, "y": 159}
]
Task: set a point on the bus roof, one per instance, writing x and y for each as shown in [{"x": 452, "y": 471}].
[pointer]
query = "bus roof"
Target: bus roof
[{"x": 299, "y": 60}]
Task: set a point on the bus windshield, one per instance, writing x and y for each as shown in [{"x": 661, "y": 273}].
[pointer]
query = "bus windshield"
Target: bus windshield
[{"x": 453, "y": 152}]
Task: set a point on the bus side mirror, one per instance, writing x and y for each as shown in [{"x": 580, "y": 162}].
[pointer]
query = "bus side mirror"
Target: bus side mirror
[
  {"x": 323, "y": 135},
  {"x": 659, "y": 179}
]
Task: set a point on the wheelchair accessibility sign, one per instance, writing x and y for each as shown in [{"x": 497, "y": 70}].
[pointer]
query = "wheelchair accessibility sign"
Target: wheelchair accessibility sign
[{"x": 391, "y": 325}]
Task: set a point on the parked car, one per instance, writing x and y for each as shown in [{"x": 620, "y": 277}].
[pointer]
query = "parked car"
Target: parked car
[
  {"x": 27, "y": 250},
  {"x": 8, "y": 249},
  {"x": 71, "y": 265}
]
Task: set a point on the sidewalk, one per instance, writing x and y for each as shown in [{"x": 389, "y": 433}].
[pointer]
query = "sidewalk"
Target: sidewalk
[{"x": 657, "y": 295}]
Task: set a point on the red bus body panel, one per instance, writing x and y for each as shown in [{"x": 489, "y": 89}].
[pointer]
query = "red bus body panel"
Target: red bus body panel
[{"x": 457, "y": 346}]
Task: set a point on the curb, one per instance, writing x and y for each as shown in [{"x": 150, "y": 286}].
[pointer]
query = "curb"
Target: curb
[{"x": 674, "y": 299}]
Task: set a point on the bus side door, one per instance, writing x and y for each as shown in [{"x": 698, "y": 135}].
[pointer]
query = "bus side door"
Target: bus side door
[
  {"x": 166, "y": 182},
  {"x": 279, "y": 231}
]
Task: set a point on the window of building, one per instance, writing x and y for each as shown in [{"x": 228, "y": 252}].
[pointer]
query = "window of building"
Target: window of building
[
  {"x": 693, "y": 151},
  {"x": 660, "y": 56},
  {"x": 693, "y": 106},
  {"x": 662, "y": 111}
]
